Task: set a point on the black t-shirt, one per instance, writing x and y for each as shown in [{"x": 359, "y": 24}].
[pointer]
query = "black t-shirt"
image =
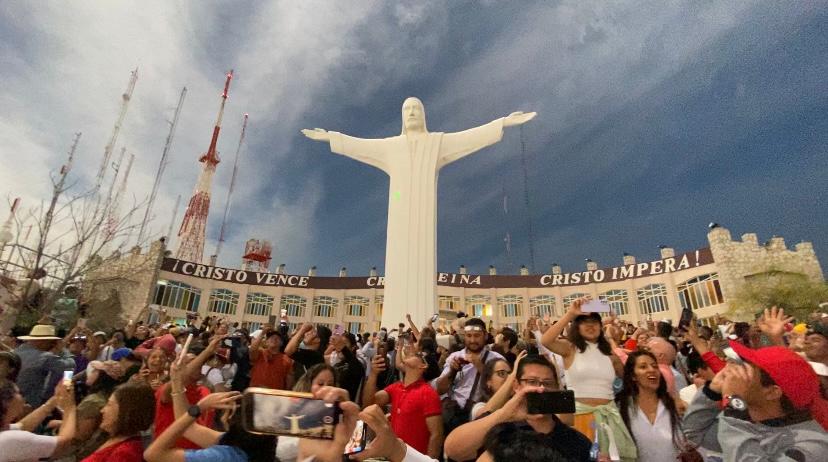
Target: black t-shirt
[
  {"x": 133, "y": 342},
  {"x": 571, "y": 443},
  {"x": 304, "y": 360}
]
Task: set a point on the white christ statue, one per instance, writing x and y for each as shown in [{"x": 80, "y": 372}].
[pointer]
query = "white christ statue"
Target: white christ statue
[{"x": 413, "y": 161}]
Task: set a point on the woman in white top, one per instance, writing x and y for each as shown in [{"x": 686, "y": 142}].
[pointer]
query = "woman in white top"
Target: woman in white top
[
  {"x": 17, "y": 443},
  {"x": 591, "y": 369},
  {"x": 648, "y": 410}
]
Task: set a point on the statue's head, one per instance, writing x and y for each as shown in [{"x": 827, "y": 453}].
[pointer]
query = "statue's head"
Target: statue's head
[{"x": 413, "y": 116}]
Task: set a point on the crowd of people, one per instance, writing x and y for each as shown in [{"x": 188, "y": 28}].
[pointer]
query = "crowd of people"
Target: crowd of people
[{"x": 608, "y": 390}]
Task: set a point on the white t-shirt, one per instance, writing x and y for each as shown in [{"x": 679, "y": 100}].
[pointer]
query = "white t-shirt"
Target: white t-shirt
[
  {"x": 688, "y": 393},
  {"x": 654, "y": 441},
  {"x": 22, "y": 446}
]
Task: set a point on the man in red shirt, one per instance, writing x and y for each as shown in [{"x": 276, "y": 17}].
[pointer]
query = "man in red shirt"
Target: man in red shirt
[
  {"x": 191, "y": 374},
  {"x": 270, "y": 368},
  {"x": 416, "y": 413}
]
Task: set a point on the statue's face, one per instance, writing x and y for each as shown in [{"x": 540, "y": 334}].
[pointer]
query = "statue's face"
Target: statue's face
[{"x": 413, "y": 115}]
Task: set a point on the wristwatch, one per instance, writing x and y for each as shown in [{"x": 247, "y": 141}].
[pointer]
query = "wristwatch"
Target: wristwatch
[
  {"x": 736, "y": 403},
  {"x": 194, "y": 411}
]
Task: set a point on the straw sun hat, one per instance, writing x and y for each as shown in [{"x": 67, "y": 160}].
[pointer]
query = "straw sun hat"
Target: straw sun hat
[{"x": 40, "y": 332}]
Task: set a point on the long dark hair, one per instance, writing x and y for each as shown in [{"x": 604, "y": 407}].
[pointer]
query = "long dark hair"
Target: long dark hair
[
  {"x": 629, "y": 395},
  {"x": 136, "y": 409},
  {"x": 580, "y": 343},
  {"x": 7, "y": 391},
  {"x": 488, "y": 371},
  {"x": 257, "y": 447}
]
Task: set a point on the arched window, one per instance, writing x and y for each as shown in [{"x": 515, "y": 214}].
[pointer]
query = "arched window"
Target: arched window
[
  {"x": 294, "y": 305},
  {"x": 617, "y": 299},
  {"x": 510, "y": 305},
  {"x": 652, "y": 298},
  {"x": 571, "y": 298},
  {"x": 223, "y": 301},
  {"x": 324, "y": 306},
  {"x": 258, "y": 304},
  {"x": 701, "y": 291},
  {"x": 543, "y": 305},
  {"x": 176, "y": 294},
  {"x": 355, "y": 328},
  {"x": 356, "y": 305},
  {"x": 478, "y": 305}
]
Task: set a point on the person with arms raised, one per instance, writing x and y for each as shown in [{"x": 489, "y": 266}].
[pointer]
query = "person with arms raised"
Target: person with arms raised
[
  {"x": 416, "y": 414},
  {"x": 591, "y": 370},
  {"x": 773, "y": 410}
]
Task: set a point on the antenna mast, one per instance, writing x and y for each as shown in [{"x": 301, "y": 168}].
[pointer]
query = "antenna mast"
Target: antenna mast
[
  {"x": 116, "y": 129},
  {"x": 161, "y": 165},
  {"x": 172, "y": 221},
  {"x": 111, "y": 225},
  {"x": 230, "y": 191},
  {"x": 194, "y": 226}
]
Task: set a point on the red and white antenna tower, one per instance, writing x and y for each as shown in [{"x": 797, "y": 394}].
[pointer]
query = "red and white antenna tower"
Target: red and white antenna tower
[
  {"x": 230, "y": 190},
  {"x": 257, "y": 256},
  {"x": 194, "y": 227}
]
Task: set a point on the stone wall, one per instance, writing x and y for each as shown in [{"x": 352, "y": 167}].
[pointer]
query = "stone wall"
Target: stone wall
[
  {"x": 736, "y": 260},
  {"x": 131, "y": 278}
]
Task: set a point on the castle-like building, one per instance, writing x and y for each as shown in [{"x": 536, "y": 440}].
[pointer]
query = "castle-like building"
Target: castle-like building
[{"x": 701, "y": 279}]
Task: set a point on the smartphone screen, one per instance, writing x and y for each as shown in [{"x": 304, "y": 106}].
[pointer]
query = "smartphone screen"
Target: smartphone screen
[
  {"x": 277, "y": 412},
  {"x": 551, "y": 402},
  {"x": 595, "y": 306},
  {"x": 435, "y": 317},
  {"x": 360, "y": 438},
  {"x": 686, "y": 318}
]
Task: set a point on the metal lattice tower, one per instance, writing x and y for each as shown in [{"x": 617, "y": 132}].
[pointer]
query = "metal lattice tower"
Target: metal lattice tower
[
  {"x": 113, "y": 220},
  {"x": 113, "y": 138},
  {"x": 193, "y": 229},
  {"x": 162, "y": 165},
  {"x": 230, "y": 190}
]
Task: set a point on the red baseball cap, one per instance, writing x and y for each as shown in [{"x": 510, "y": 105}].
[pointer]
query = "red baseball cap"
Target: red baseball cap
[{"x": 790, "y": 371}]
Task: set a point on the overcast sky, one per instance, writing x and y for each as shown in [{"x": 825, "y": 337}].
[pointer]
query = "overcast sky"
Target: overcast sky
[{"x": 655, "y": 118}]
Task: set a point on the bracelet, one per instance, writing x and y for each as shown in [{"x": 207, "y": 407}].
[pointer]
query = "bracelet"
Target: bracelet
[{"x": 176, "y": 393}]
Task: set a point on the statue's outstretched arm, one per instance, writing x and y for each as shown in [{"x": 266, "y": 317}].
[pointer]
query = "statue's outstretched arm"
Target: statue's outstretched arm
[
  {"x": 455, "y": 146},
  {"x": 317, "y": 134},
  {"x": 369, "y": 151}
]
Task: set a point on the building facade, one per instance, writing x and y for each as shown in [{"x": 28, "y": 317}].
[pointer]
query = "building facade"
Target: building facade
[{"x": 701, "y": 279}]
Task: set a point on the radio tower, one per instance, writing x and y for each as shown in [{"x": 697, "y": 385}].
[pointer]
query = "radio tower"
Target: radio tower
[
  {"x": 230, "y": 190},
  {"x": 161, "y": 166},
  {"x": 115, "y": 130},
  {"x": 194, "y": 227}
]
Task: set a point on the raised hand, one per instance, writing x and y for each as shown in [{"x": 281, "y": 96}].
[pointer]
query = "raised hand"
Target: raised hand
[
  {"x": 518, "y": 118},
  {"x": 377, "y": 365},
  {"x": 385, "y": 444},
  {"x": 575, "y": 307},
  {"x": 224, "y": 400},
  {"x": 317, "y": 134},
  {"x": 520, "y": 356},
  {"x": 772, "y": 322}
]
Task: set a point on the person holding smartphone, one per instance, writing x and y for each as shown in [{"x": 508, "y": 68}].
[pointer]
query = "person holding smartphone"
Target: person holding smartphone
[
  {"x": 416, "y": 411},
  {"x": 535, "y": 374},
  {"x": 591, "y": 370}
]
